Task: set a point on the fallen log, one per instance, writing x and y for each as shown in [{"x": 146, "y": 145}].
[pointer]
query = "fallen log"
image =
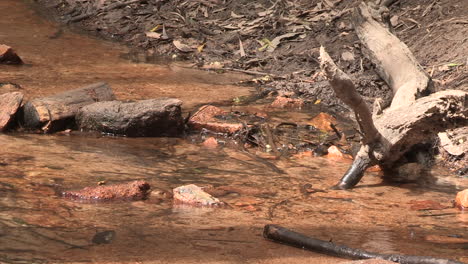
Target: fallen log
[
  {"x": 283, "y": 235},
  {"x": 412, "y": 117},
  {"x": 55, "y": 112},
  {"x": 9, "y": 105},
  {"x": 153, "y": 117}
]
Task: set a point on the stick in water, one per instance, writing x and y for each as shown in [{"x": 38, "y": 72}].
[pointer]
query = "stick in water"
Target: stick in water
[{"x": 286, "y": 236}]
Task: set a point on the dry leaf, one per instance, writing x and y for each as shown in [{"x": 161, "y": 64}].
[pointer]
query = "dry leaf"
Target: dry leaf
[
  {"x": 181, "y": 46},
  {"x": 153, "y": 35},
  {"x": 241, "y": 48}
]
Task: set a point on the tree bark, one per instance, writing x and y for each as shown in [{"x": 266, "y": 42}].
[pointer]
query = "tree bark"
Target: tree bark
[
  {"x": 55, "y": 112},
  {"x": 283, "y": 235}
]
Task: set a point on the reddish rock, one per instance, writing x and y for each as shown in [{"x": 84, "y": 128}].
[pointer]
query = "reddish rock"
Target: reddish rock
[
  {"x": 375, "y": 168},
  {"x": 8, "y": 55},
  {"x": 136, "y": 190},
  {"x": 205, "y": 117},
  {"x": 335, "y": 154},
  {"x": 194, "y": 195},
  {"x": 461, "y": 201},
  {"x": 9, "y": 105},
  {"x": 323, "y": 121},
  {"x": 210, "y": 143},
  {"x": 426, "y": 205},
  {"x": 284, "y": 102}
]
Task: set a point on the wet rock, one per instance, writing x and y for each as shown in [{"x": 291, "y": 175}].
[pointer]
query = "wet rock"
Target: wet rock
[
  {"x": 153, "y": 117},
  {"x": 9, "y": 56},
  {"x": 194, "y": 195},
  {"x": 323, "y": 121},
  {"x": 210, "y": 143},
  {"x": 206, "y": 118},
  {"x": 9, "y": 105},
  {"x": 335, "y": 154},
  {"x": 136, "y": 190},
  {"x": 284, "y": 102},
  {"x": 461, "y": 201},
  {"x": 426, "y": 205},
  {"x": 408, "y": 172}
]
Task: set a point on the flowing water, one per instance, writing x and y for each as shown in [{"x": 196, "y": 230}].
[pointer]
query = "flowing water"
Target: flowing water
[{"x": 38, "y": 226}]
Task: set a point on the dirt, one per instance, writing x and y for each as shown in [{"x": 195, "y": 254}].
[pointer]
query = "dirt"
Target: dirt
[{"x": 278, "y": 39}]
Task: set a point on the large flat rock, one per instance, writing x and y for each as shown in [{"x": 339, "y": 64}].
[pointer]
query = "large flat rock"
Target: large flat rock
[{"x": 153, "y": 117}]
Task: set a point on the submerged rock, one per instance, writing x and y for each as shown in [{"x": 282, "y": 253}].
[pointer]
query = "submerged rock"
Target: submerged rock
[
  {"x": 153, "y": 117},
  {"x": 323, "y": 121},
  {"x": 9, "y": 56},
  {"x": 205, "y": 118},
  {"x": 9, "y": 105},
  {"x": 194, "y": 195},
  {"x": 136, "y": 190}
]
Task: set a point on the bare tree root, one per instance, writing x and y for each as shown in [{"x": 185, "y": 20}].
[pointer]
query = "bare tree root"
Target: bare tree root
[
  {"x": 413, "y": 116},
  {"x": 283, "y": 235}
]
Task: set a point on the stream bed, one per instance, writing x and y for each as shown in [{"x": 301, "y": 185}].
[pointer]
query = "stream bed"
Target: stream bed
[{"x": 39, "y": 226}]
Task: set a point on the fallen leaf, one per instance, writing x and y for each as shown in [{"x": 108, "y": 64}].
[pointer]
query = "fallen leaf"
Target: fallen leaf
[
  {"x": 234, "y": 15},
  {"x": 241, "y": 48},
  {"x": 201, "y": 47},
  {"x": 155, "y": 28},
  {"x": 181, "y": 46},
  {"x": 276, "y": 41},
  {"x": 153, "y": 35}
]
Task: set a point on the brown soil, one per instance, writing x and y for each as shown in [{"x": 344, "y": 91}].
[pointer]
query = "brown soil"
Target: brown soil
[{"x": 280, "y": 39}]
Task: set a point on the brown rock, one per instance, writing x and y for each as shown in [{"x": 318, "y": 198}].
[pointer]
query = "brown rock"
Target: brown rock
[
  {"x": 136, "y": 190},
  {"x": 461, "y": 201},
  {"x": 194, "y": 195},
  {"x": 284, "y": 102},
  {"x": 205, "y": 118},
  {"x": 9, "y": 105},
  {"x": 210, "y": 143},
  {"x": 8, "y": 55},
  {"x": 323, "y": 122},
  {"x": 335, "y": 154}
]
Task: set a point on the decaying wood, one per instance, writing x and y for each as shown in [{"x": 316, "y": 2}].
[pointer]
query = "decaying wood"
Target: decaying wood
[
  {"x": 54, "y": 112},
  {"x": 394, "y": 61},
  {"x": 283, "y": 235},
  {"x": 414, "y": 115}
]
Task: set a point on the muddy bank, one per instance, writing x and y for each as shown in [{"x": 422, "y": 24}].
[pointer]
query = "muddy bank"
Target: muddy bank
[{"x": 279, "y": 40}]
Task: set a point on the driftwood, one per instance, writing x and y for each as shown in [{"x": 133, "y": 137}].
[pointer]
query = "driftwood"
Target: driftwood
[
  {"x": 55, "y": 112},
  {"x": 153, "y": 117},
  {"x": 412, "y": 117},
  {"x": 283, "y": 235}
]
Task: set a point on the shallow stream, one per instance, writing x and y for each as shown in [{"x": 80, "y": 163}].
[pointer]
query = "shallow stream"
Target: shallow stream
[{"x": 38, "y": 226}]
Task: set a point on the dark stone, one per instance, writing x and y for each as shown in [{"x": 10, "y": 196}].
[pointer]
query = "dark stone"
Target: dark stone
[{"x": 153, "y": 117}]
